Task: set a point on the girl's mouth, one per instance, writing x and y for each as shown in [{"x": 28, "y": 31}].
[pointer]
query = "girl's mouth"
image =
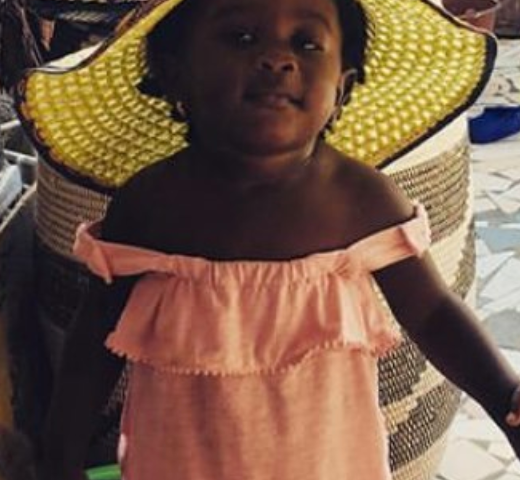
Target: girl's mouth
[{"x": 272, "y": 99}]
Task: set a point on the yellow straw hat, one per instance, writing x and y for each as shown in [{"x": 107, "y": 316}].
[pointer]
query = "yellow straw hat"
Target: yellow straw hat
[{"x": 91, "y": 121}]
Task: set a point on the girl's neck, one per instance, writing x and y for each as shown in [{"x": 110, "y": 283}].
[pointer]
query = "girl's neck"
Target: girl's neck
[{"x": 244, "y": 172}]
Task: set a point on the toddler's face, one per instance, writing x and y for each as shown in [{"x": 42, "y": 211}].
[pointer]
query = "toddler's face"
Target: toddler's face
[{"x": 261, "y": 76}]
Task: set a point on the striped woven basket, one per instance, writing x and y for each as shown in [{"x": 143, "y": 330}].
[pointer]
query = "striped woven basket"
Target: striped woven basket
[{"x": 419, "y": 404}]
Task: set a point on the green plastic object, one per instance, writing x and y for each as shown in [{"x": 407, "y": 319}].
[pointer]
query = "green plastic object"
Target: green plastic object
[{"x": 107, "y": 472}]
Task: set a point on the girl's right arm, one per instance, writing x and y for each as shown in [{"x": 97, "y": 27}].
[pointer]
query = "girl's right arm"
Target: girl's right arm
[
  {"x": 87, "y": 376},
  {"x": 88, "y": 371}
]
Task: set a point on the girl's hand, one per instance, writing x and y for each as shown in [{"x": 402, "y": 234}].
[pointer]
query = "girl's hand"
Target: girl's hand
[
  {"x": 511, "y": 423},
  {"x": 513, "y": 416}
]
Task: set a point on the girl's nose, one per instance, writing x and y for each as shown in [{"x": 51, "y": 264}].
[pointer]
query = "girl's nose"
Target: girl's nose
[{"x": 276, "y": 62}]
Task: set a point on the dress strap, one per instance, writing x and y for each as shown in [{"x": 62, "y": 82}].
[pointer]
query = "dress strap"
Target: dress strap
[
  {"x": 408, "y": 239},
  {"x": 107, "y": 259}
]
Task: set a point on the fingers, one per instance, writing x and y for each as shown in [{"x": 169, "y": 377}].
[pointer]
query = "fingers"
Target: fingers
[{"x": 513, "y": 417}]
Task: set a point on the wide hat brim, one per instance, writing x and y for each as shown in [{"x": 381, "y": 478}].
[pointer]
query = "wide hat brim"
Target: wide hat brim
[{"x": 89, "y": 120}]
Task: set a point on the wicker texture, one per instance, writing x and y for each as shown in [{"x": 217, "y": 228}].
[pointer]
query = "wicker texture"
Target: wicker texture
[
  {"x": 92, "y": 119},
  {"x": 62, "y": 206},
  {"x": 441, "y": 185},
  {"x": 423, "y": 466}
]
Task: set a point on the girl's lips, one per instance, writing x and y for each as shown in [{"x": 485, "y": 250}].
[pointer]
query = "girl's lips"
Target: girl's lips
[{"x": 272, "y": 100}]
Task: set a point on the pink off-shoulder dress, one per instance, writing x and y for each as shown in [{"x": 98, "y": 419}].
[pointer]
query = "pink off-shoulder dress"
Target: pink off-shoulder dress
[{"x": 254, "y": 370}]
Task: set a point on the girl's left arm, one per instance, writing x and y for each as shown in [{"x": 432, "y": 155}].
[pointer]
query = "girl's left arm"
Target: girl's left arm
[{"x": 453, "y": 339}]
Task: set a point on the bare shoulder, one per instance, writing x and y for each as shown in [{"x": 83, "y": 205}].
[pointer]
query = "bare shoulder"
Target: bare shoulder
[
  {"x": 377, "y": 202},
  {"x": 129, "y": 204}
]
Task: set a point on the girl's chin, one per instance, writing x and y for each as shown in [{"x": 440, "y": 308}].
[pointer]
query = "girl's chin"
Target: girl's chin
[
  {"x": 272, "y": 142},
  {"x": 268, "y": 147}
]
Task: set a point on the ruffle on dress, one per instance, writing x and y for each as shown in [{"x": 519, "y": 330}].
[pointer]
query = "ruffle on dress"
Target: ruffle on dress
[{"x": 190, "y": 315}]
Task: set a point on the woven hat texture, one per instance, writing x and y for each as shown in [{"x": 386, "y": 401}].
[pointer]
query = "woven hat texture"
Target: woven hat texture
[{"x": 424, "y": 67}]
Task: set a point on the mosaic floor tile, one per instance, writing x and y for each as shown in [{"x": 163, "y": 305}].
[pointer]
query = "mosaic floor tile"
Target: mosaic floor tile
[
  {"x": 467, "y": 461},
  {"x": 504, "y": 202},
  {"x": 512, "y": 173},
  {"x": 514, "y": 468},
  {"x": 490, "y": 263},
  {"x": 503, "y": 156},
  {"x": 499, "y": 239},
  {"x": 513, "y": 357},
  {"x": 481, "y": 249},
  {"x": 502, "y": 451},
  {"x": 513, "y": 192},
  {"x": 480, "y": 429},
  {"x": 485, "y": 181},
  {"x": 507, "y": 279},
  {"x": 505, "y": 327},
  {"x": 502, "y": 303},
  {"x": 472, "y": 410},
  {"x": 483, "y": 205}
]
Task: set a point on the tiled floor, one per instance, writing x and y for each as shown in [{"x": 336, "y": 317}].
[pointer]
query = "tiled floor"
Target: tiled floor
[{"x": 477, "y": 449}]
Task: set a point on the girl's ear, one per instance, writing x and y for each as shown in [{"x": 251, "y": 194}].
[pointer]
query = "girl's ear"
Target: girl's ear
[
  {"x": 345, "y": 85},
  {"x": 344, "y": 88},
  {"x": 168, "y": 73}
]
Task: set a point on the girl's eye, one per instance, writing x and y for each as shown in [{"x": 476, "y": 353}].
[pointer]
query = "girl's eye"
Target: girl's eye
[
  {"x": 308, "y": 44},
  {"x": 239, "y": 37},
  {"x": 244, "y": 38}
]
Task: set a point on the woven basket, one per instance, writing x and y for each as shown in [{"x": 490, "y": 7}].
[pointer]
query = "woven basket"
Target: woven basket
[
  {"x": 418, "y": 403},
  {"x": 90, "y": 12}
]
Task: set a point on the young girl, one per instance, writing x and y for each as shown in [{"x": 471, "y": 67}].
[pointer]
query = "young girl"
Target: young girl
[{"x": 235, "y": 276}]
